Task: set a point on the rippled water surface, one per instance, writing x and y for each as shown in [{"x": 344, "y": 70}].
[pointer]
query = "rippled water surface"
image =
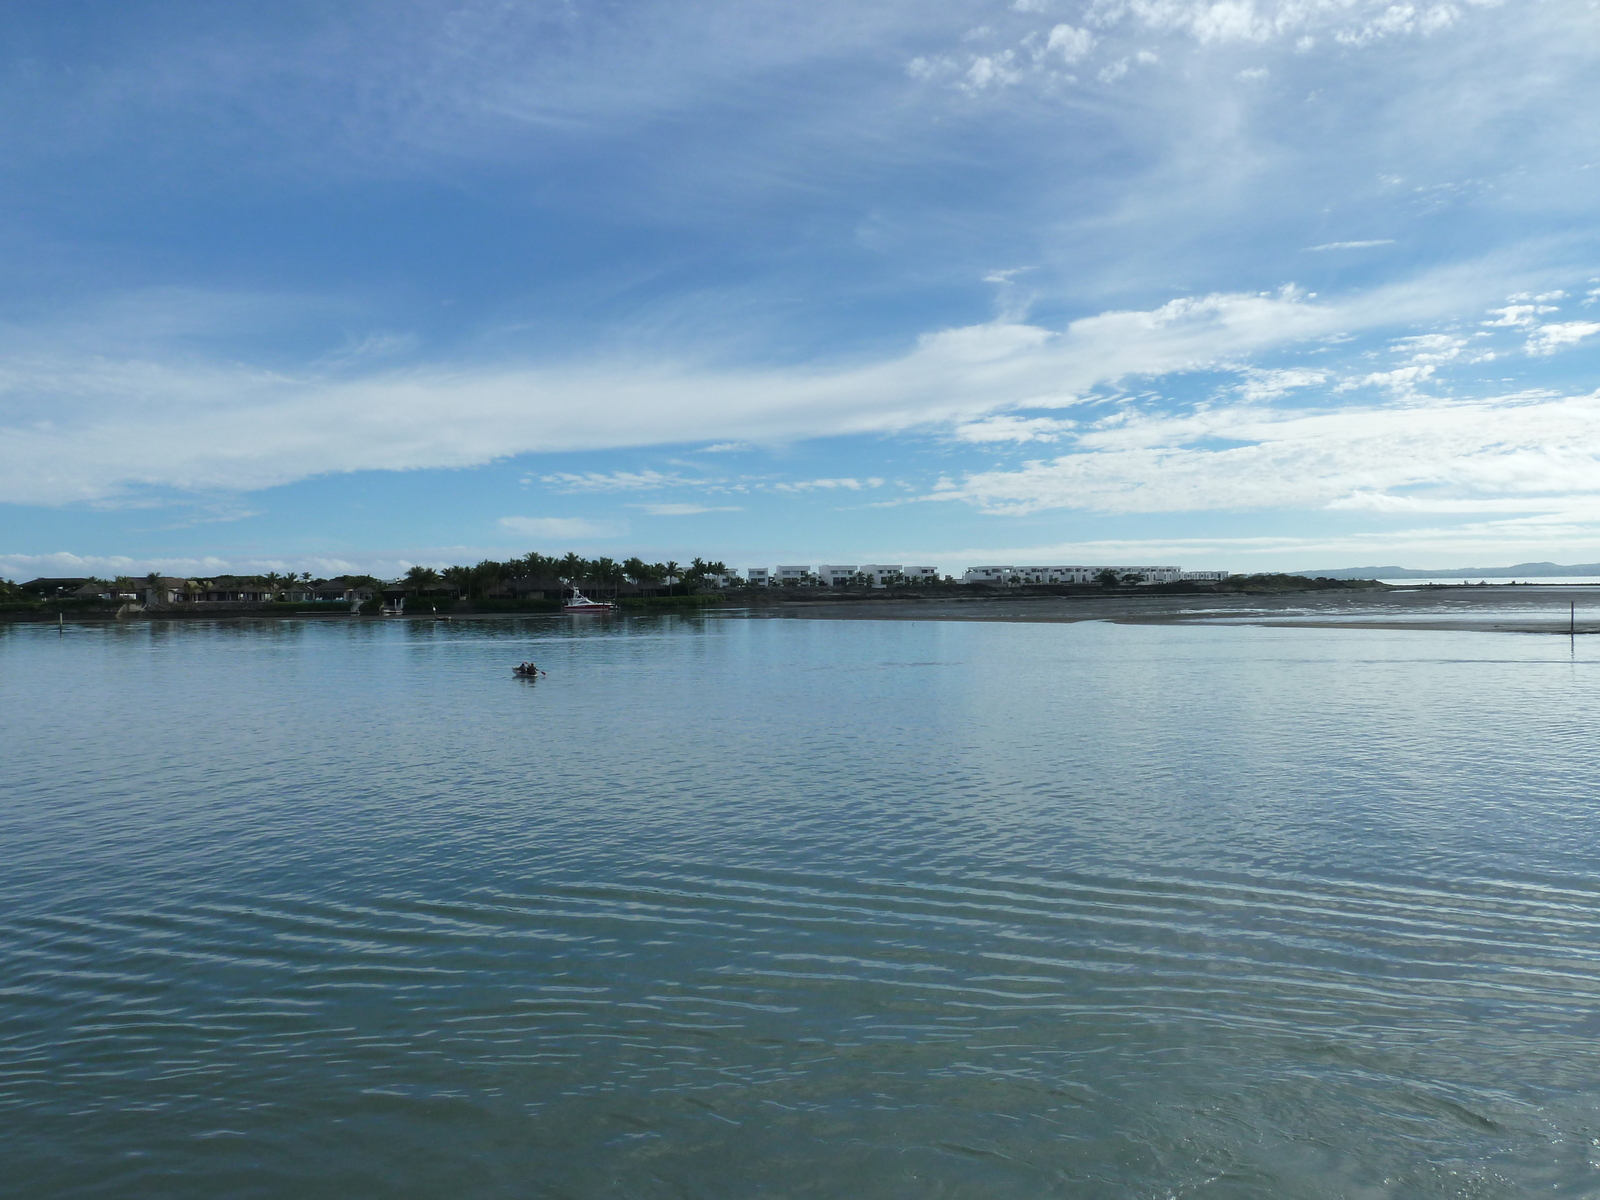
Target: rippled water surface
[{"x": 725, "y": 908}]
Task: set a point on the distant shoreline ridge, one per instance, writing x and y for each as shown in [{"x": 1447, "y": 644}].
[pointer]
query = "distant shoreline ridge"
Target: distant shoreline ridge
[{"x": 1532, "y": 570}]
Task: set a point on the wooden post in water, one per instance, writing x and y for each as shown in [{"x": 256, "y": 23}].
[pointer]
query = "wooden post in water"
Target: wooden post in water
[{"x": 1572, "y": 620}]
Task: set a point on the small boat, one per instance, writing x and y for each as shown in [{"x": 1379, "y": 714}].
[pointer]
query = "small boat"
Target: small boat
[
  {"x": 582, "y": 604},
  {"x": 528, "y": 672}
]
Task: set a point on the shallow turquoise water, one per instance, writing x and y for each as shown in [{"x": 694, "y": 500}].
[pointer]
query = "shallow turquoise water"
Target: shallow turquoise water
[{"x": 797, "y": 908}]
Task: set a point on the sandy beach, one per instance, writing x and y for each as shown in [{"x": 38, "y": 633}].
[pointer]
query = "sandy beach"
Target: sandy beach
[{"x": 1496, "y": 608}]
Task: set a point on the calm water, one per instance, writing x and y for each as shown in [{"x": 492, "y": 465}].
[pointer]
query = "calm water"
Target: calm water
[{"x": 797, "y": 908}]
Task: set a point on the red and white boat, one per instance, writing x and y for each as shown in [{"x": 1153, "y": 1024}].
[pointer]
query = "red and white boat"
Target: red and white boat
[{"x": 582, "y": 604}]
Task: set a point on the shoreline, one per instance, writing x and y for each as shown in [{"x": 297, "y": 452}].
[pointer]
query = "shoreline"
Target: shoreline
[
  {"x": 1528, "y": 608},
  {"x": 1503, "y": 608}
]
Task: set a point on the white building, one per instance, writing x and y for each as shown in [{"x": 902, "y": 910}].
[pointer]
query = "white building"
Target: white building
[
  {"x": 878, "y": 573},
  {"x": 986, "y": 575},
  {"x": 1204, "y": 576},
  {"x": 1058, "y": 574},
  {"x": 921, "y": 574},
  {"x": 758, "y": 576},
  {"x": 1151, "y": 574},
  {"x": 1066, "y": 574},
  {"x": 830, "y": 575},
  {"x": 794, "y": 574}
]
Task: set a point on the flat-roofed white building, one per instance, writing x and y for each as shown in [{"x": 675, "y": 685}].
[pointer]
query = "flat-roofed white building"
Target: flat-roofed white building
[
  {"x": 986, "y": 575},
  {"x": 1153, "y": 574},
  {"x": 793, "y": 574},
  {"x": 758, "y": 576},
  {"x": 1204, "y": 576},
  {"x": 1057, "y": 574},
  {"x": 833, "y": 575},
  {"x": 921, "y": 574},
  {"x": 878, "y": 573}
]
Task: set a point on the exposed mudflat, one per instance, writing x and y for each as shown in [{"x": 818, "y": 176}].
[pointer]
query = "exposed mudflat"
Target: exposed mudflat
[{"x": 1505, "y": 608}]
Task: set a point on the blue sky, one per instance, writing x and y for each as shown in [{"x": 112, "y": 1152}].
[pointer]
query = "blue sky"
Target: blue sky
[{"x": 1306, "y": 283}]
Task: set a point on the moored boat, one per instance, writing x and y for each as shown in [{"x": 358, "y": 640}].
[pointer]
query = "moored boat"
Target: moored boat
[{"x": 582, "y": 604}]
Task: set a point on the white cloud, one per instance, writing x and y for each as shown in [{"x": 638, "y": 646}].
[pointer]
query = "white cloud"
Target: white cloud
[
  {"x": 1528, "y": 446},
  {"x": 1547, "y": 339},
  {"x": 1352, "y": 22},
  {"x": 562, "y": 528},
  {"x": 63, "y": 564},
  {"x": 78, "y": 426},
  {"x": 1402, "y": 380},
  {"x": 1520, "y": 316},
  {"x": 684, "y": 510},
  {"x": 1014, "y": 429},
  {"x": 1352, "y": 245},
  {"x": 811, "y": 485},
  {"x": 1261, "y": 385},
  {"x": 1561, "y": 537},
  {"x": 616, "y": 481},
  {"x": 1431, "y": 347},
  {"x": 1071, "y": 43},
  {"x": 988, "y": 70}
]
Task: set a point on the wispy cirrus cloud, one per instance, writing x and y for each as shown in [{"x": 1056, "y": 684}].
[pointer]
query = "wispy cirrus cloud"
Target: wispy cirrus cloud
[
  {"x": 1351, "y": 245},
  {"x": 686, "y": 510},
  {"x": 1538, "y": 450},
  {"x": 614, "y": 481},
  {"x": 828, "y": 485},
  {"x": 82, "y": 428},
  {"x": 562, "y": 529}
]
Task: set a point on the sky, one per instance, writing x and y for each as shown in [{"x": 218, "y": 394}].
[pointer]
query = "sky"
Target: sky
[{"x": 1227, "y": 284}]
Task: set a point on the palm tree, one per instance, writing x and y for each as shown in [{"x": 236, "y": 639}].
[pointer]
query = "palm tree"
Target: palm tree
[
  {"x": 607, "y": 573},
  {"x": 572, "y": 567},
  {"x": 485, "y": 575},
  {"x": 669, "y": 573},
  {"x": 421, "y": 579}
]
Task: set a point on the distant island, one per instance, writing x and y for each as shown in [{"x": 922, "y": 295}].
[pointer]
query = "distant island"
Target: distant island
[{"x": 1527, "y": 570}]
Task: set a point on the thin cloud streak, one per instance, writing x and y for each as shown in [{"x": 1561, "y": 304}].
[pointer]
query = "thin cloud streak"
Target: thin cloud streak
[{"x": 108, "y": 429}]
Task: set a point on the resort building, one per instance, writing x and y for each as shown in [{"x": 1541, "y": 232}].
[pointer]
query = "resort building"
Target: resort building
[
  {"x": 878, "y": 574},
  {"x": 167, "y": 591},
  {"x": 986, "y": 575},
  {"x": 1204, "y": 576},
  {"x": 758, "y": 576},
  {"x": 921, "y": 574},
  {"x": 794, "y": 575},
  {"x": 835, "y": 576},
  {"x": 1078, "y": 574},
  {"x": 1051, "y": 575}
]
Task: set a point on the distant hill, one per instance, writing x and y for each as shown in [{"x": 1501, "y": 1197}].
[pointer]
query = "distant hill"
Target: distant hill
[{"x": 1531, "y": 570}]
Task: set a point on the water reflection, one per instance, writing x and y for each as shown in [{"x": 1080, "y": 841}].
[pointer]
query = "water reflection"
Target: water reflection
[{"x": 833, "y": 907}]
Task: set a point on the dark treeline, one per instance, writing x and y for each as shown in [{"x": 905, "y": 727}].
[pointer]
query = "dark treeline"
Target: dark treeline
[
  {"x": 536, "y": 570},
  {"x": 533, "y": 572}
]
